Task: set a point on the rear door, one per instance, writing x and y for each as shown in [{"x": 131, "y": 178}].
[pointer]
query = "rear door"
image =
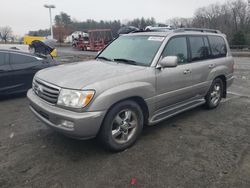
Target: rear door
[
  {"x": 207, "y": 52},
  {"x": 200, "y": 61},
  {"x": 24, "y": 67},
  {"x": 5, "y": 81}
]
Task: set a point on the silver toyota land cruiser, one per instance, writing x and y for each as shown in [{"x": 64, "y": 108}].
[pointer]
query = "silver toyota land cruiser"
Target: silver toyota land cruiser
[{"x": 139, "y": 79}]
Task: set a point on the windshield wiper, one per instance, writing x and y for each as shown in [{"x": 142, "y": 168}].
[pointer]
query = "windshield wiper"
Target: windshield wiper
[
  {"x": 127, "y": 61},
  {"x": 104, "y": 58}
]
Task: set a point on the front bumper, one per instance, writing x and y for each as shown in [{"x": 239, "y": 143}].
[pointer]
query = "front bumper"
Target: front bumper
[{"x": 85, "y": 125}]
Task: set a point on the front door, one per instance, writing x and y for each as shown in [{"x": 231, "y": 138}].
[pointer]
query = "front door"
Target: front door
[{"x": 174, "y": 85}]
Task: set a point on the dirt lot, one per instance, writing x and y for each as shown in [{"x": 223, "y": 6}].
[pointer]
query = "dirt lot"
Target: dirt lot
[{"x": 198, "y": 148}]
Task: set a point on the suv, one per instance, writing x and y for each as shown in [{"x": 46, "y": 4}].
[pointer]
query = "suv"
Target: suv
[{"x": 139, "y": 79}]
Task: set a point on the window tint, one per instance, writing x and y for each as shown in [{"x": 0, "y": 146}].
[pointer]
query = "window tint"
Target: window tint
[
  {"x": 18, "y": 58},
  {"x": 199, "y": 51},
  {"x": 218, "y": 46},
  {"x": 177, "y": 47},
  {"x": 2, "y": 58}
]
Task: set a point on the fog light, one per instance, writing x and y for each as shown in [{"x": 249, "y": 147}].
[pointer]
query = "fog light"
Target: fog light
[{"x": 67, "y": 124}]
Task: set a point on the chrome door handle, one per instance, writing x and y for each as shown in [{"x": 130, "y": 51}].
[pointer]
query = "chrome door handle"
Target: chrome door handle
[
  {"x": 187, "y": 71},
  {"x": 211, "y": 66}
]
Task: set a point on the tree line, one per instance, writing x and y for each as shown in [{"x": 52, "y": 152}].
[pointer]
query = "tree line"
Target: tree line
[
  {"x": 231, "y": 17},
  {"x": 64, "y": 26}
]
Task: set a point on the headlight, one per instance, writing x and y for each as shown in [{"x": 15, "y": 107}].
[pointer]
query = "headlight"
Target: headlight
[{"x": 74, "y": 98}]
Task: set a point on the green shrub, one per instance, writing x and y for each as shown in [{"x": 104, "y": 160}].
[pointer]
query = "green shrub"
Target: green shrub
[{"x": 239, "y": 38}]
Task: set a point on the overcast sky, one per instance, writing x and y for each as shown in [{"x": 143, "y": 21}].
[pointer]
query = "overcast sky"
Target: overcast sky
[{"x": 25, "y": 15}]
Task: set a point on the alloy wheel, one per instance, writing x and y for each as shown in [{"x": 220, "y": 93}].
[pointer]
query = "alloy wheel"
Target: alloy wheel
[{"x": 124, "y": 126}]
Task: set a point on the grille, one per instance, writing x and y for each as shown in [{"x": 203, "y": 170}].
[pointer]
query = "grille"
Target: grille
[{"x": 46, "y": 91}]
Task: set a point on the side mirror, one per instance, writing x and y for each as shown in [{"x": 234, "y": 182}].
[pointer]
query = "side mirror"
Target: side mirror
[{"x": 169, "y": 61}]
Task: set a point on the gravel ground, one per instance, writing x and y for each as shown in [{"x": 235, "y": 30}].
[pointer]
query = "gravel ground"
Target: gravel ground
[
  {"x": 69, "y": 54},
  {"x": 198, "y": 148}
]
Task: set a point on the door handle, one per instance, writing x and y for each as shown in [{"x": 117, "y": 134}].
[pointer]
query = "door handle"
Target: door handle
[
  {"x": 187, "y": 71},
  {"x": 211, "y": 66}
]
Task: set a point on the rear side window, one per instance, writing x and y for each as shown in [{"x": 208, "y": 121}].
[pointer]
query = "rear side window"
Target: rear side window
[
  {"x": 20, "y": 59},
  {"x": 2, "y": 58},
  {"x": 199, "y": 48},
  {"x": 177, "y": 47},
  {"x": 218, "y": 46}
]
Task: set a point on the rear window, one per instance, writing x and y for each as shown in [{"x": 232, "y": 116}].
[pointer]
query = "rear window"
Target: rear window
[
  {"x": 218, "y": 46},
  {"x": 20, "y": 59}
]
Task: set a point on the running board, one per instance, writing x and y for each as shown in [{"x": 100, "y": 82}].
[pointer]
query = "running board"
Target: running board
[{"x": 170, "y": 112}]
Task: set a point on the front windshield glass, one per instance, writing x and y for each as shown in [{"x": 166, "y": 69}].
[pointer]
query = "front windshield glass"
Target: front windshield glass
[{"x": 139, "y": 50}]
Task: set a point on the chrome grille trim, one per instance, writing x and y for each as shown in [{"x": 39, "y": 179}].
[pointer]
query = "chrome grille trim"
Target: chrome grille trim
[{"x": 46, "y": 91}]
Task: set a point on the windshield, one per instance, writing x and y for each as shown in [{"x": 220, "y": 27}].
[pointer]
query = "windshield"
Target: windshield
[{"x": 136, "y": 50}]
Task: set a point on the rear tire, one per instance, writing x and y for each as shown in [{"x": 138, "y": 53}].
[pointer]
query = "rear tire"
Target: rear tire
[
  {"x": 122, "y": 126},
  {"x": 214, "y": 94}
]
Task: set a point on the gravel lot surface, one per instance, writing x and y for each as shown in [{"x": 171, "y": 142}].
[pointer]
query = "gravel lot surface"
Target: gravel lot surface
[{"x": 198, "y": 148}]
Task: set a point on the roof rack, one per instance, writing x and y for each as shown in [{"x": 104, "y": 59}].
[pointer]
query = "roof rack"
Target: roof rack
[{"x": 197, "y": 30}]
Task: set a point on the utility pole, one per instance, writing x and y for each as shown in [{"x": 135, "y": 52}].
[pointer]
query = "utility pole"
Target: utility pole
[{"x": 51, "y": 25}]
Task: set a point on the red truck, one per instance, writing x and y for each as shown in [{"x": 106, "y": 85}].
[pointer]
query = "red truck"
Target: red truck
[{"x": 96, "y": 40}]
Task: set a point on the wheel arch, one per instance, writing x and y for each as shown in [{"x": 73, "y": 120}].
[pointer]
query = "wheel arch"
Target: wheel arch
[{"x": 138, "y": 100}]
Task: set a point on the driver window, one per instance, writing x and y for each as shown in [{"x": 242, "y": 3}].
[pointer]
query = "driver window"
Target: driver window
[{"x": 177, "y": 46}]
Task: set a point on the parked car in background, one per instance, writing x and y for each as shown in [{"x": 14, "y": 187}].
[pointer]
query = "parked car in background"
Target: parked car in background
[
  {"x": 17, "y": 69},
  {"x": 139, "y": 79},
  {"x": 159, "y": 27},
  {"x": 127, "y": 29}
]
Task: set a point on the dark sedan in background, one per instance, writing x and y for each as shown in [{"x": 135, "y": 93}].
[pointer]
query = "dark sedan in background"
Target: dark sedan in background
[{"x": 17, "y": 69}]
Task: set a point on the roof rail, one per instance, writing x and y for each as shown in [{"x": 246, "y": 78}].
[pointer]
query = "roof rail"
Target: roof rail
[{"x": 197, "y": 30}]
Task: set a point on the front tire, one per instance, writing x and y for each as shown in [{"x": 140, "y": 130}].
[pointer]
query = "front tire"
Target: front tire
[
  {"x": 214, "y": 94},
  {"x": 122, "y": 126}
]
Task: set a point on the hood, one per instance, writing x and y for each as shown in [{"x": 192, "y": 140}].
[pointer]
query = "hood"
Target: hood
[
  {"x": 81, "y": 74},
  {"x": 42, "y": 47},
  {"x": 50, "y": 42}
]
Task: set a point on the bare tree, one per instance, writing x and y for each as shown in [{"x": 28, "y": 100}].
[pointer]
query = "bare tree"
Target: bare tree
[
  {"x": 60, "y": 32},
  {"x": 5, "y": 33},
  {"x": 230, "y": 17},
  {"x": 180, "y": 22}
]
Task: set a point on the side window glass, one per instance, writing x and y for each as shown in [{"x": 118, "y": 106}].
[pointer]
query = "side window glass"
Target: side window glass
[
  {"x": 218, "y": 46},
  {"x": 2, "y": 58},
  {"x": 207, "y": 46},
  {"x": 20, "y": 59},
  {"x": 177, "y": 47},
  {"x": 199, "y": 51}
]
